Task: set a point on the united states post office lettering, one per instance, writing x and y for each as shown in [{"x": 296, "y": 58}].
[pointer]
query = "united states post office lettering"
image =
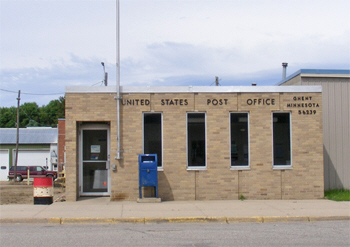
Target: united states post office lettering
[
  {"x": 173, "y": 102},
  {"x": 217, "y": 101},
  {"x": 136, "y": 102},
  {"x": 261, "y": 101}
]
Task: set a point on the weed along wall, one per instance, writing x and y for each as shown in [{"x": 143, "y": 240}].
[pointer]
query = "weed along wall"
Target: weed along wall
[{"x": 212, "y": 143}]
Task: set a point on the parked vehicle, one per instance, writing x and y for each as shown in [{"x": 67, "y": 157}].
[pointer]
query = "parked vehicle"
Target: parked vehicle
[{"x": 34, "y": 171}]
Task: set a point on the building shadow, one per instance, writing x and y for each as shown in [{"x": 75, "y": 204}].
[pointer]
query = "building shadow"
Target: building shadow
[
  {"x": 332, "y": 178},
  {"x": 165, "y": 191}
]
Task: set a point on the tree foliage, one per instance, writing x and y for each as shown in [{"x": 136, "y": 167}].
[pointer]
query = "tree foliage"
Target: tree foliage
[{"x": 31, "y": 115}]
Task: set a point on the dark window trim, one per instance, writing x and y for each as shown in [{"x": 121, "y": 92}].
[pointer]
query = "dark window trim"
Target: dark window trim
[
  {"x": 161, "y": 167},
  {"x": 196, "y": 168},
  {"x": 282, "y": 166},
  {"x": 240, "y": 167}
]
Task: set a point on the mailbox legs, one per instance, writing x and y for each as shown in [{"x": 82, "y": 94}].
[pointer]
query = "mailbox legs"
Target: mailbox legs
[{"x": 155, "y": 190}]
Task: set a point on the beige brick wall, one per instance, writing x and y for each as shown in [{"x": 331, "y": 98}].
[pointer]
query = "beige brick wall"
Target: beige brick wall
[{"x": 218, "y": 181}]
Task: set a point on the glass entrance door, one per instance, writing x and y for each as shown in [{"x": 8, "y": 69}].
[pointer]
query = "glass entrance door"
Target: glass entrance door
[{"x": 95, "y": 162}]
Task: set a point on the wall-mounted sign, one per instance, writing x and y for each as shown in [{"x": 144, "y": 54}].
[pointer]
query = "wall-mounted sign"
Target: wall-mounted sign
[
  {"x": 217, "y": 101},
  {"x": 261, "y": 101},
  {"x": 136, "y": 102},
  {"x": 304, "y": 102},
  {"x": 173, "y": 102}
]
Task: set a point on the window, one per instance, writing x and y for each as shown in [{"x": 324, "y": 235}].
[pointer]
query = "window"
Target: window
[
  {"x": 239, "y": 139},
  {"x": 281, "y": 139},
  {"x": 152, "y": 135},
  {"x": 196, "y": 147},
  {"x": 39, "y": 169}
]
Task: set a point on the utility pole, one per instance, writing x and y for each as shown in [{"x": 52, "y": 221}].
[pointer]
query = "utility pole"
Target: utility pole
[
  {"x": 106, "y": 79},
  {"x": 216, "y": 81},
  {"x": 105, "y": 74},
  {"x": 17, "y": 141}
]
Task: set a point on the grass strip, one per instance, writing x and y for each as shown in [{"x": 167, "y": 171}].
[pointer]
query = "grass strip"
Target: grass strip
[{"x": 337, "y": 195}]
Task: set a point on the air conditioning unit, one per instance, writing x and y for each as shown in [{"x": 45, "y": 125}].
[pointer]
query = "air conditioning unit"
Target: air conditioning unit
[{"x": 54, "y": 160}]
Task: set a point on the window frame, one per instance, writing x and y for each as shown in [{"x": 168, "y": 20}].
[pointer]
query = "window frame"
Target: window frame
[
  {"x": 161, "y": 167},
  {"x": 240, "y": 167},
  {"x": 278, "y": 166},
  {"x": 197, "y": 168}
]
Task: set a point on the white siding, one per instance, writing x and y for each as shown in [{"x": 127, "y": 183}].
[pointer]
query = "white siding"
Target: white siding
[
  {"x": 4, "y": 164},
  {"x": 33, "y": 158}
]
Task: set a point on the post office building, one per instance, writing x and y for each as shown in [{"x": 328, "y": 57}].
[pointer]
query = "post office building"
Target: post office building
[{"x": 212, "y": 143}]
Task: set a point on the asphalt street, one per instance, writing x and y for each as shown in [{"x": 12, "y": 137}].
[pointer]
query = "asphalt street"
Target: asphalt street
[{"x": 324, "y": 233}]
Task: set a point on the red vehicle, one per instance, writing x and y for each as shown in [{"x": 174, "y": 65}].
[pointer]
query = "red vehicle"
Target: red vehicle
[{"x": 34, "y": 171}]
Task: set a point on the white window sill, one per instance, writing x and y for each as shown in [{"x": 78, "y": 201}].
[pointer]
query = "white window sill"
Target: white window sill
[
  {"x": 160, "y": 169},
  {"x": 243, "y": 168},
  {"x": 197, "y": 168},
  {"x": 282, "y": 167}
]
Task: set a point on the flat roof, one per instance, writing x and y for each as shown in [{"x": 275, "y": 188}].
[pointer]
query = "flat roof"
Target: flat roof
[
  {"x": 318, "y": 73},
  {"x": 195, "y": 89}
]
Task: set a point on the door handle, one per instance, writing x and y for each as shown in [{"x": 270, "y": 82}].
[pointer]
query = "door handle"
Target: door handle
[{"x": 108, "y": 162}]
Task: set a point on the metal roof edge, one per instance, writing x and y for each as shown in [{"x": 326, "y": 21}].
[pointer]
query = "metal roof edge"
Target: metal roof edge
[
  {"x": 29, "y": 135},
  {"x": 316, "y": 72},
  {"x": 325, "y": 71},
  {"x": 196, "y": 89}
]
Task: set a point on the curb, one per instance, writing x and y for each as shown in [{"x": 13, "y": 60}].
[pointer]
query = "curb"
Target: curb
[
  {"x": 186, "y": 220},
  {"x": 325, "y": 218},
  {"x": 146, "y": 220}
]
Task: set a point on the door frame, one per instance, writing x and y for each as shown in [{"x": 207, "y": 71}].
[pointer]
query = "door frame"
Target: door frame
[{"x": 87, "y": 126}]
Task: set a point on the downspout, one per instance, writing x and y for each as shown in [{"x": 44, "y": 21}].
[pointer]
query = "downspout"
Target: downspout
[{"x": 118, "y": 98}]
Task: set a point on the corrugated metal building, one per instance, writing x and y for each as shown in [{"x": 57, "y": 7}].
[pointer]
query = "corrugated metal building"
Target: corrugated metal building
[
  {"x": 37, "y": 146},
  {"x": 336, "y": 121}
]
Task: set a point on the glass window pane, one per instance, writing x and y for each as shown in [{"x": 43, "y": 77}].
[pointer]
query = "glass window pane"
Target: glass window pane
[
  {"x": 281, "y": 139},
  {"x": 95, "y": 177},
  {"x": 239, "y": 139},
  {"x": 94, "y": 144},
  {"x": 152, "y": 135},
  {"x": 196, "y": 139}
]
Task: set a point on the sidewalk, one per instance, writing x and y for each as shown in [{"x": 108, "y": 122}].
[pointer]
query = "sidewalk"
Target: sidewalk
[{"x": 102, "y": 210}]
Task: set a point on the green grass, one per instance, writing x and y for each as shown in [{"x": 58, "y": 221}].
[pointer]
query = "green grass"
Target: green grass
[
  {"x": 242, "y": 197},
  {"x": 337, "y": 195}
]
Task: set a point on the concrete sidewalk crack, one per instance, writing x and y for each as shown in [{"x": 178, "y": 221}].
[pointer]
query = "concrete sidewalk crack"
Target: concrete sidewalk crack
[
  {"x": 40, "y": 211},
  {"x": 276, "y": 208},
  {"x": 200, "y": 210}
]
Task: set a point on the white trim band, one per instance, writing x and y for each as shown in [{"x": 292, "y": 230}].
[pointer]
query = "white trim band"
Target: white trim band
[{"x": 198, "y": 89}]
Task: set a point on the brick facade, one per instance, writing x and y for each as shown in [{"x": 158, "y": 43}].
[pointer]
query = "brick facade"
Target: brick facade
[
  {"x": 61, "y": 145},
  {"x": 219, "y": 181}
]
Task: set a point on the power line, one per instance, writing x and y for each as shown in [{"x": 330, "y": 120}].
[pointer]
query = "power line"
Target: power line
[
  {"x": 9, "y": 91},
  {"x": 100, "y": 82}
]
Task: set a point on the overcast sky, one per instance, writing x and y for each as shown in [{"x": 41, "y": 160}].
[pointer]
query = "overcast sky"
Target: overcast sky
[{"x": 48, "y": 45}]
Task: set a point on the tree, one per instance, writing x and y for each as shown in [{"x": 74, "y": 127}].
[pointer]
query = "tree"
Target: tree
[
  {"x": 8, "y": 117},
  {"x": 32, "y": 115},
  {"x": 28, "y": 112},
  {"x": 52, "y": 112}
]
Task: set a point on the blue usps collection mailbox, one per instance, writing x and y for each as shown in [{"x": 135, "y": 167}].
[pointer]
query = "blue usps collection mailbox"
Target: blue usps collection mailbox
[{"x": 148, "y": 176}]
